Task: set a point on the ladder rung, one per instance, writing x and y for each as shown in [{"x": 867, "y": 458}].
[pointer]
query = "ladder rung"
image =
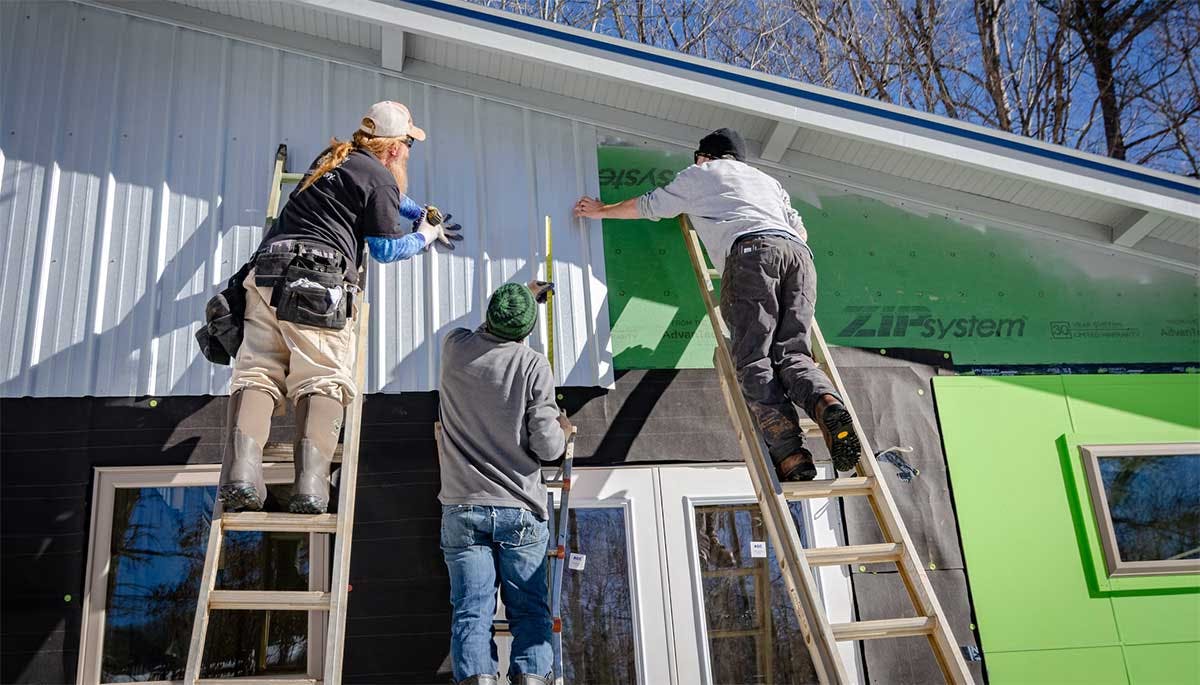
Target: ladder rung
[
  {"x": 282, "y": 451},
  {"x": 809, "y": 426},
  {"x": 272, "y": 522},
  {"x": 839, "y": 487},
  {"x": 854, "y": 554},
  {"x": 884, "y": 628},
  {"x": 291, "y": 178},
  {"x": 714, "y": 275},
  {"x": 501, "y": 627},
  {"x": 269, "y": 599},
  {"x": 258, "y": 681}
]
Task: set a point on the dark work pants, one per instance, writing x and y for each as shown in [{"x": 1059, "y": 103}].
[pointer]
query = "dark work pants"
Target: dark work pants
[{"x": 768, "y": 298}]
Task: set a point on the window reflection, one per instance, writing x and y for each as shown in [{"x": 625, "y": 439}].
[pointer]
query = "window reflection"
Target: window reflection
[
  {"x": 1155, "y": 505},
  {"x": 159, "y": 540},
  {"x": 753, "y": 634},
  {"x": 598, "y": 639}
]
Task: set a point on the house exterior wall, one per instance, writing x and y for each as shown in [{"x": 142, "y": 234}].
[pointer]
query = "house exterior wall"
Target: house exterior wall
[
  {"x": 136, "y": 164},
  {"x": 1044, "y": 616}
]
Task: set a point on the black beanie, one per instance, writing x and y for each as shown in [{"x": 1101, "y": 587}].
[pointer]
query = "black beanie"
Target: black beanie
[{"x": 721, "y": 142}]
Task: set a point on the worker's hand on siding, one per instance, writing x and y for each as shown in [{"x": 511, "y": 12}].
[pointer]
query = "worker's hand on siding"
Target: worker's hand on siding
[{"x": 589, "y": 208}]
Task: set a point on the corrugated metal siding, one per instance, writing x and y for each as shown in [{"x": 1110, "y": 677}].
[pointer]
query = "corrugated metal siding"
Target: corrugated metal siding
[{"x": 136, "y": 159}]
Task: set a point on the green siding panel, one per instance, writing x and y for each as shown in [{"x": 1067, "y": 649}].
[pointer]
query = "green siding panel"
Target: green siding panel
[
  {"x": 1018, "y": 534},
  {"x": 1028, "y": 565},
  {"x": 1147, "y": 619},
  {"x": 1096, "y": 666},
  {"x": 1107, "y": 404},
  {"x": 1171, "y": 664}
]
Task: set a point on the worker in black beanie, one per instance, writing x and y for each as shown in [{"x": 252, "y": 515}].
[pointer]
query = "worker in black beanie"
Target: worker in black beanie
[{"x": 768, "y": 293}]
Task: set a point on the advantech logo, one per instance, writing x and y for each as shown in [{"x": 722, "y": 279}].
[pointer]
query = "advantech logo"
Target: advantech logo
[
  {"x": 872, "y": 321},
  {"x": 628, "y": 178}
]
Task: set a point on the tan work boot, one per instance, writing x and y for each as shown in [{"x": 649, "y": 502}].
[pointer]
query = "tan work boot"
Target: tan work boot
[
  {"x": 318, "y": 424},
  {"x": 241, "y": 484},
  {"x": 837, "y": 427}
]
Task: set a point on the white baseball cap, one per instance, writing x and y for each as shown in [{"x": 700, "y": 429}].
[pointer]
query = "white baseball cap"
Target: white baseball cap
[{"x": 389, "y": 119}]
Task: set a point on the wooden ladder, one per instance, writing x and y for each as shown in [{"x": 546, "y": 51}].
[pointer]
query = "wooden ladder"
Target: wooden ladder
[
  {"x": 795, "y": 562},
  {"x": 340, "y": 525}
]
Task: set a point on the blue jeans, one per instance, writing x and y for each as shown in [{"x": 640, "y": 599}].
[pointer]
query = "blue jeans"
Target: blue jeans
[{"x": 488, "y": 548}]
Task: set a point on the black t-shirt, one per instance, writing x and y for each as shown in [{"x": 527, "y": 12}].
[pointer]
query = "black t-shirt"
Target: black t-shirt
[{"x": 360, "y": 198}]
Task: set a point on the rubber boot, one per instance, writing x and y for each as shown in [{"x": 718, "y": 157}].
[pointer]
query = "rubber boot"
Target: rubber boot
[
  {"x": 318, "y": 424},
  {"x": 247, "y": 426},
  {"x": 837, "y": 427},
  {"x": 529, "y": 679},
  {"x": 486, "y": 679}
]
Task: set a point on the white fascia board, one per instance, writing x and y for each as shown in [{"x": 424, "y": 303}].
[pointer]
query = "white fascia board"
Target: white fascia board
[{"x": 428, "y": 19}]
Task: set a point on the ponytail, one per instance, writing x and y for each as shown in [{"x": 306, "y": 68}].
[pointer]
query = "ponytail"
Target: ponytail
[{"x": 339, "y": 150}]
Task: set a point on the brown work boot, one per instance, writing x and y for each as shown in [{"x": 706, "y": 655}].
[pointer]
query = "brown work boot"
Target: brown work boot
[
  {"x": 796, "y": 466},
  {"x": 837, "y": 427}
]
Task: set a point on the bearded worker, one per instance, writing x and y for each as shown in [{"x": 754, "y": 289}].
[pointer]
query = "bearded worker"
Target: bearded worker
[{"x": 299, "y": 337}]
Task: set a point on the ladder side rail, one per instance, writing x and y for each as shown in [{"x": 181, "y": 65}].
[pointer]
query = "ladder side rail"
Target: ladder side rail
[
  {"x": 558, "y": 561},
  {"x": 208, "y": 583},
  {"x": 347, "y": 484},
  {"x": 916, "y": 581},
  {"x": 776, "y": 512}
]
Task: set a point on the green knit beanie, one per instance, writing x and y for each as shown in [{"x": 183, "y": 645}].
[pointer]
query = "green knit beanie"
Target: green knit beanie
[{"x": 511, "y": 313}]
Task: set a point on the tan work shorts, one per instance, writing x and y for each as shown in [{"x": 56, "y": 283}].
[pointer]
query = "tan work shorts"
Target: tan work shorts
[{"x": 284, "y": 359}]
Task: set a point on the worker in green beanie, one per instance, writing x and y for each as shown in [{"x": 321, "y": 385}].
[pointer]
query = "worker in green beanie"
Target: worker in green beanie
[{"x": 500, "y": 421}]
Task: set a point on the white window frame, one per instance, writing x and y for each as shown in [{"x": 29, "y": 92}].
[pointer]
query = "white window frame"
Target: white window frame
[
  {"x": 689, "y": 487},
  {"x": 1116, "y": 567},
  {"x": 107, "y": 480},
  {"x": 634, "y": 491}
]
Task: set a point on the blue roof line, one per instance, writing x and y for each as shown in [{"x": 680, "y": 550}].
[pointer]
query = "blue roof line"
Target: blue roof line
[{"x": 820, "y": 98}]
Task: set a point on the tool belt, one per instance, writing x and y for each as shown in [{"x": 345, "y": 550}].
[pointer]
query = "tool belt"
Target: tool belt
[{"x": 311, "y": 285}]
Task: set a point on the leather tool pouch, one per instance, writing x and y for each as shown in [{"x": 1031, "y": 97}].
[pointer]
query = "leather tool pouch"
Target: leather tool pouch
[{"x": 224, "y": 320}]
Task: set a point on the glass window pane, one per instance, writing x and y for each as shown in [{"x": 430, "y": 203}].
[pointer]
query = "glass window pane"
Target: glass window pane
[
  {"x": 753, "y": 634},
  {"x": 598, "y": 641},
  {"x": 1155, "y": 505},
  {"x": 159, "y": 540}
]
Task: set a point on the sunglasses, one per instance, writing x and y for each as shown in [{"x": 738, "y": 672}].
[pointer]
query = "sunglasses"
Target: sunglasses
[{"x": 408, "y": 140}]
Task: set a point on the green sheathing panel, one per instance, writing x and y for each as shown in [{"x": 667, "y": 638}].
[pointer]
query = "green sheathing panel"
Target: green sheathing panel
[
  {"x": 1173, "y": 664},
  {"x": 1096, "y": 666},
  {"x": 892, "y": 275},
  {"x": 1028, "y": 533}
]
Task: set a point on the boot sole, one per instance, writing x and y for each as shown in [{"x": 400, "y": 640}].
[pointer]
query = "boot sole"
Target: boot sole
[
  {"x": 241, "y": 497},
  {"x": 307, "y": 504},
  {"x": 844, "y": 447}
]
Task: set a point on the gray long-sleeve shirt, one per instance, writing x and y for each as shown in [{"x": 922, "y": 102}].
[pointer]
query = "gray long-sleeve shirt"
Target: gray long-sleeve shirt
[
  {"x": 725, "y": 199},
  {"x": 499, "y": 421}
]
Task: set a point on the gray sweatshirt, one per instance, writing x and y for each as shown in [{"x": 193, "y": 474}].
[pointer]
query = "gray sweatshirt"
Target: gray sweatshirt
[
  {"x": 499, "y": 418},
  {"x": 724, "y": 199}
]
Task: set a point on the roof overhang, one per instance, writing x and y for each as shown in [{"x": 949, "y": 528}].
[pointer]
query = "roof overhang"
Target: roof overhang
[{"x": 796, "y": 128}]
